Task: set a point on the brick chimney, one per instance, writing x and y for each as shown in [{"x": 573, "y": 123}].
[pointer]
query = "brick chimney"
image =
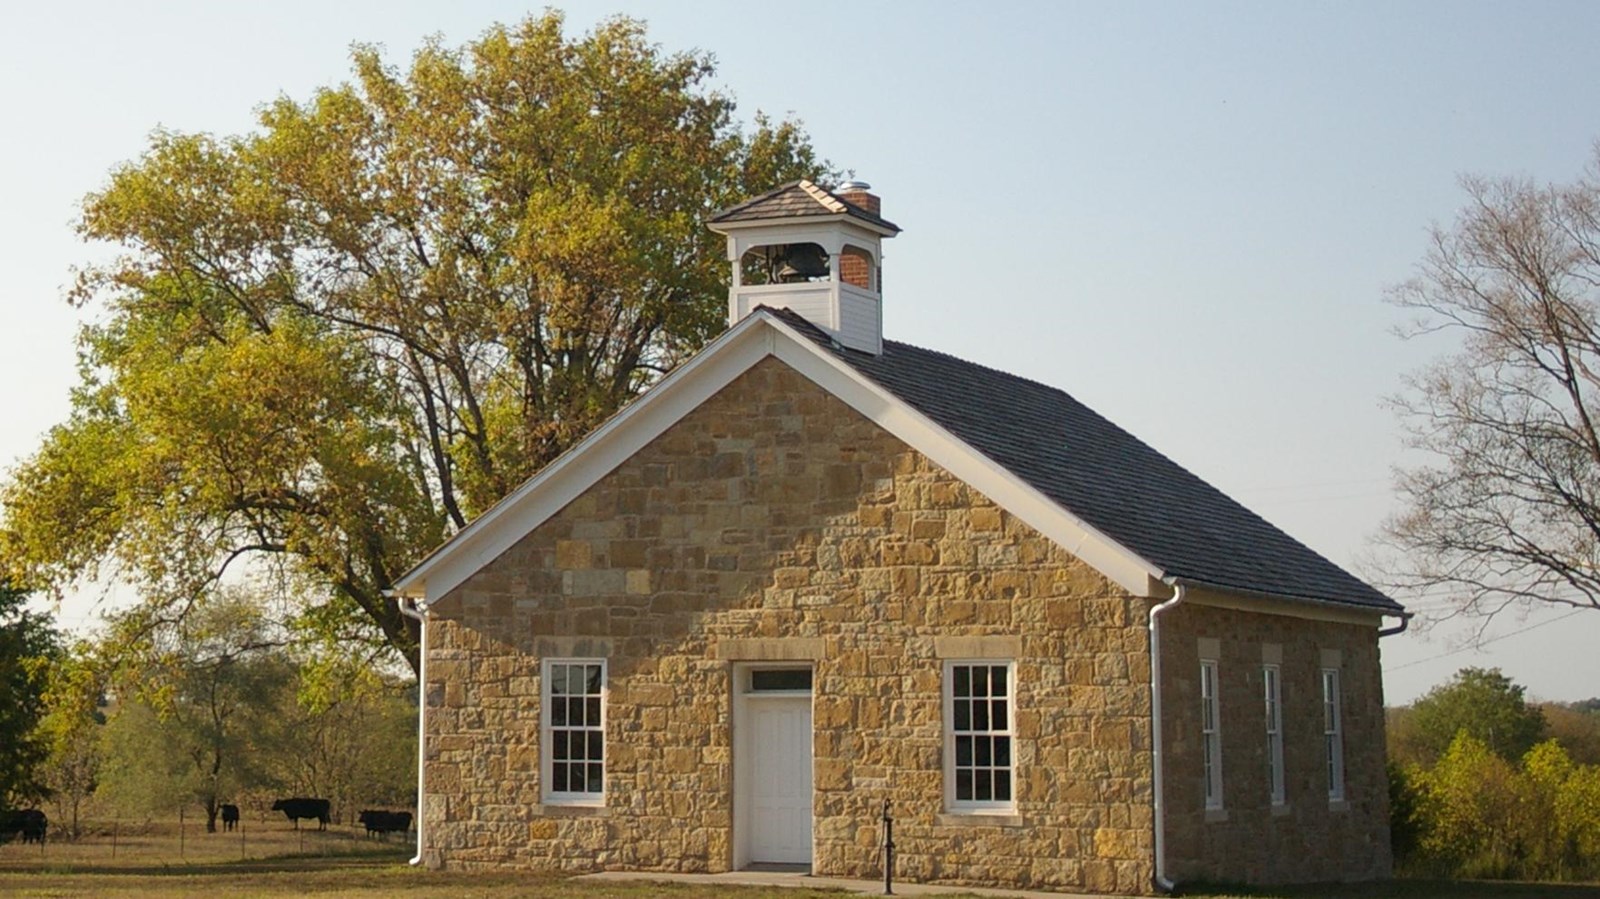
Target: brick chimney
[{"x": 860, "y": 193}]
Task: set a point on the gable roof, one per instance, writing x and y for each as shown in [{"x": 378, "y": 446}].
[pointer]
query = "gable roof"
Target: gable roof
[
  {"x": 1100, "y": 493},
  {"x": 1112, "y": 480},
  {"x": 795, "y": 200}
]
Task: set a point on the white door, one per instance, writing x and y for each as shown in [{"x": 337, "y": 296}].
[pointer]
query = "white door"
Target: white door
[{"x": 779, "y": 779}]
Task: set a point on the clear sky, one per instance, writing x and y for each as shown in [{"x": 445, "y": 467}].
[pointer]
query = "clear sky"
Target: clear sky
[{"x": 1183, "y": 214}]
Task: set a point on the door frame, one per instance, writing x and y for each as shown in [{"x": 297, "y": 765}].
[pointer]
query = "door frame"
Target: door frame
[{"x": 743, "y": 698}]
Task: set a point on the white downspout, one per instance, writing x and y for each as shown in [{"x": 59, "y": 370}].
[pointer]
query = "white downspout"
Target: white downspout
[
  {"x": 1158, "y": 806},
  {"x": 408, "y": 607}
]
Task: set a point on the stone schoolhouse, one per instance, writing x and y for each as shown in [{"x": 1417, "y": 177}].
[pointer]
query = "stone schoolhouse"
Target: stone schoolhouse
[{"x": 813, "y": 570}]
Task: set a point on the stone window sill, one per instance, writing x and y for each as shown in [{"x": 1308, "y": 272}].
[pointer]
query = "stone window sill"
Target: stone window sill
[
  {"x": 1216, "y": 815},
  {"x": 978, "y": 819},
  {"x": 571, "y": 810}
]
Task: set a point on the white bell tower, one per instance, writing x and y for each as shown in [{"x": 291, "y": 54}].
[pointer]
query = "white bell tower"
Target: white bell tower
[{"x": 814, "y": 251}]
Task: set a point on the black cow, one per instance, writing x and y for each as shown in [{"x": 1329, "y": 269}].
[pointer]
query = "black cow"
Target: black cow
[
  {"x": 382, "y": 823},
  {"x": 31, "y": 823},
  {"x": 297, "y": 808},
  {"x": 230, "y": 817}
]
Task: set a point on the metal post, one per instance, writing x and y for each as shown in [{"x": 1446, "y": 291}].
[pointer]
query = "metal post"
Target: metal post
[
  {"x": 240, "y": 825},
  {"x": 115, "y": 824},
  {"x": 888, "y": 851},
  {"x": 181, "y": 855}
]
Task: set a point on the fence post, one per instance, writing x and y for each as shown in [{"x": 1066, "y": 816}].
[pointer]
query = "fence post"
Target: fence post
[
  {"x": 115, "y": 824},
  {"x": 182, "y": 856}
]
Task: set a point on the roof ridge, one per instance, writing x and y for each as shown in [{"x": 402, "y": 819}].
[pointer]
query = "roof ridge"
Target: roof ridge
[
  {"x": 743, "y": 204},
  {"x": 824, "y": 196}
]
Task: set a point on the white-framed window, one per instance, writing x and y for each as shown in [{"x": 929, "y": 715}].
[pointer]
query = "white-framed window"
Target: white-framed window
[
  {"x": 1333, "y": 733},
  {"x": 979, "y": 740},
  {"x": 1211, "y": 733},
  {"x": 573, "y": 728},
  {"x": 1272, "y": 695}
]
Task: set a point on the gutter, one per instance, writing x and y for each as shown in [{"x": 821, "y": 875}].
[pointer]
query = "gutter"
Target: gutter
[
  {"x": 1158, "y": 806},
  {"x": 1405, "y": 622},
  {"x": 408, "y": 607}
]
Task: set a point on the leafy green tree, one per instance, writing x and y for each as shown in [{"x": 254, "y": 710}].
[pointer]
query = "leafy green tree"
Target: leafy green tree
[
  {"x": 28, "y": 647},
  {"x": 331, "y": 342},
  {"x": 193, "y": 699},
  {"x": 1484, "y": 704},
  {"x": 346, "y": 732},
  {"x": 1576, "y": 727},
  {"x": 1469, "y": 805},
  {"x": 71, "y": 729}
]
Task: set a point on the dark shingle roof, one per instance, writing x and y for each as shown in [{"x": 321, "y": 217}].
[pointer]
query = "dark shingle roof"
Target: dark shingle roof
[
  {"x": 795, "y": 199},
  {"x": 1104, "y": 475}
]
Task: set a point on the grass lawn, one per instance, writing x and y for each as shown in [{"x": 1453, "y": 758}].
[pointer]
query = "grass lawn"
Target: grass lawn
[
  {"x": 374, "y": 876},
  {"x": 153, "y": 860},
  {"x": 1409, "y": 889}
]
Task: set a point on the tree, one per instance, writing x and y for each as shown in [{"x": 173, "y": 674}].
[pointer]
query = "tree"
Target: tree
[
  {"x": 1483, "y": 704},
  {"x": 193, "y": 700},
  {"x": 71, "y": 729},
  {"x": 28, "y": 646},
  {"x": 333, "y": 341},
  {"x": 1508, "y": 513},
  {"x": 1576, "y": 727},
  {"x": 348, "y": 734},
  {"x": 1469, "y": 802}
]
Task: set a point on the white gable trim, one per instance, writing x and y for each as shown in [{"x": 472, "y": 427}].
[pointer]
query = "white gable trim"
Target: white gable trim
[{"x": 696, "y": 381}]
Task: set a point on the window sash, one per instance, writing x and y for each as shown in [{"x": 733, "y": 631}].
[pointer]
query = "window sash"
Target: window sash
[
  {"x": 980, "y": 735},
  {"x": 572, "y": 730},
  {"x": 1333, "y": 733},
  {"x": 1211, "y": 734},
  {"x": 1272, "y": 696}
]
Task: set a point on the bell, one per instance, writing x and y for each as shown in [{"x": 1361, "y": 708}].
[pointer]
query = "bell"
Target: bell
[{"x": 802, "y": 262}]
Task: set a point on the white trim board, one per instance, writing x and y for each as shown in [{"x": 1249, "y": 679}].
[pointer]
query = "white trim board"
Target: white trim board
[{"x": 691, "y": 384}]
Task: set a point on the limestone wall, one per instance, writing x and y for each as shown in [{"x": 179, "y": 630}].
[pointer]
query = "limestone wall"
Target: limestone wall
[
  {"x": 776, "y": 512},
  {"x": 1309, "y": 838}
]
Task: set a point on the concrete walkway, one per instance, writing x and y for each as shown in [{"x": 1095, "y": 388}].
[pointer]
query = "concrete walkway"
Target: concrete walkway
[{"x": 806, "y": 881}]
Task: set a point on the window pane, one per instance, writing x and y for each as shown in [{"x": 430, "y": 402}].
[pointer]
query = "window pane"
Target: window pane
[
  {"x": 558, "y": 680},
  {"x": 790, "y": 679},
  {"x": 593, "y": 684},
  {"x": 982, "y": 785},
  {"x": 596, "y": 746},
  {"x": 984, "y": 755},
  {"x": 963, "y": 714},
  {"x": 980, "y": 715},
  {"x": 997, "y": 680},
  {"x": 963, "y": 751},
  {"x": 1002, "y": 751},
  {"x": 593, "y": 717},
  {"x": 558, "y": 777},
  {"x": 980, "y": 684},
  {"x": 964, "y": 785},
  {"x": 575, "y": 711},
  {"x": 999, "y": 710},
  {"x": 558, "y": 745},
  {"x": 1002, "y": 785},
  {"x": 963, "y": 676},
  {"x": 558, "y": 713},
  {"x": 596, "y": 778}
]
